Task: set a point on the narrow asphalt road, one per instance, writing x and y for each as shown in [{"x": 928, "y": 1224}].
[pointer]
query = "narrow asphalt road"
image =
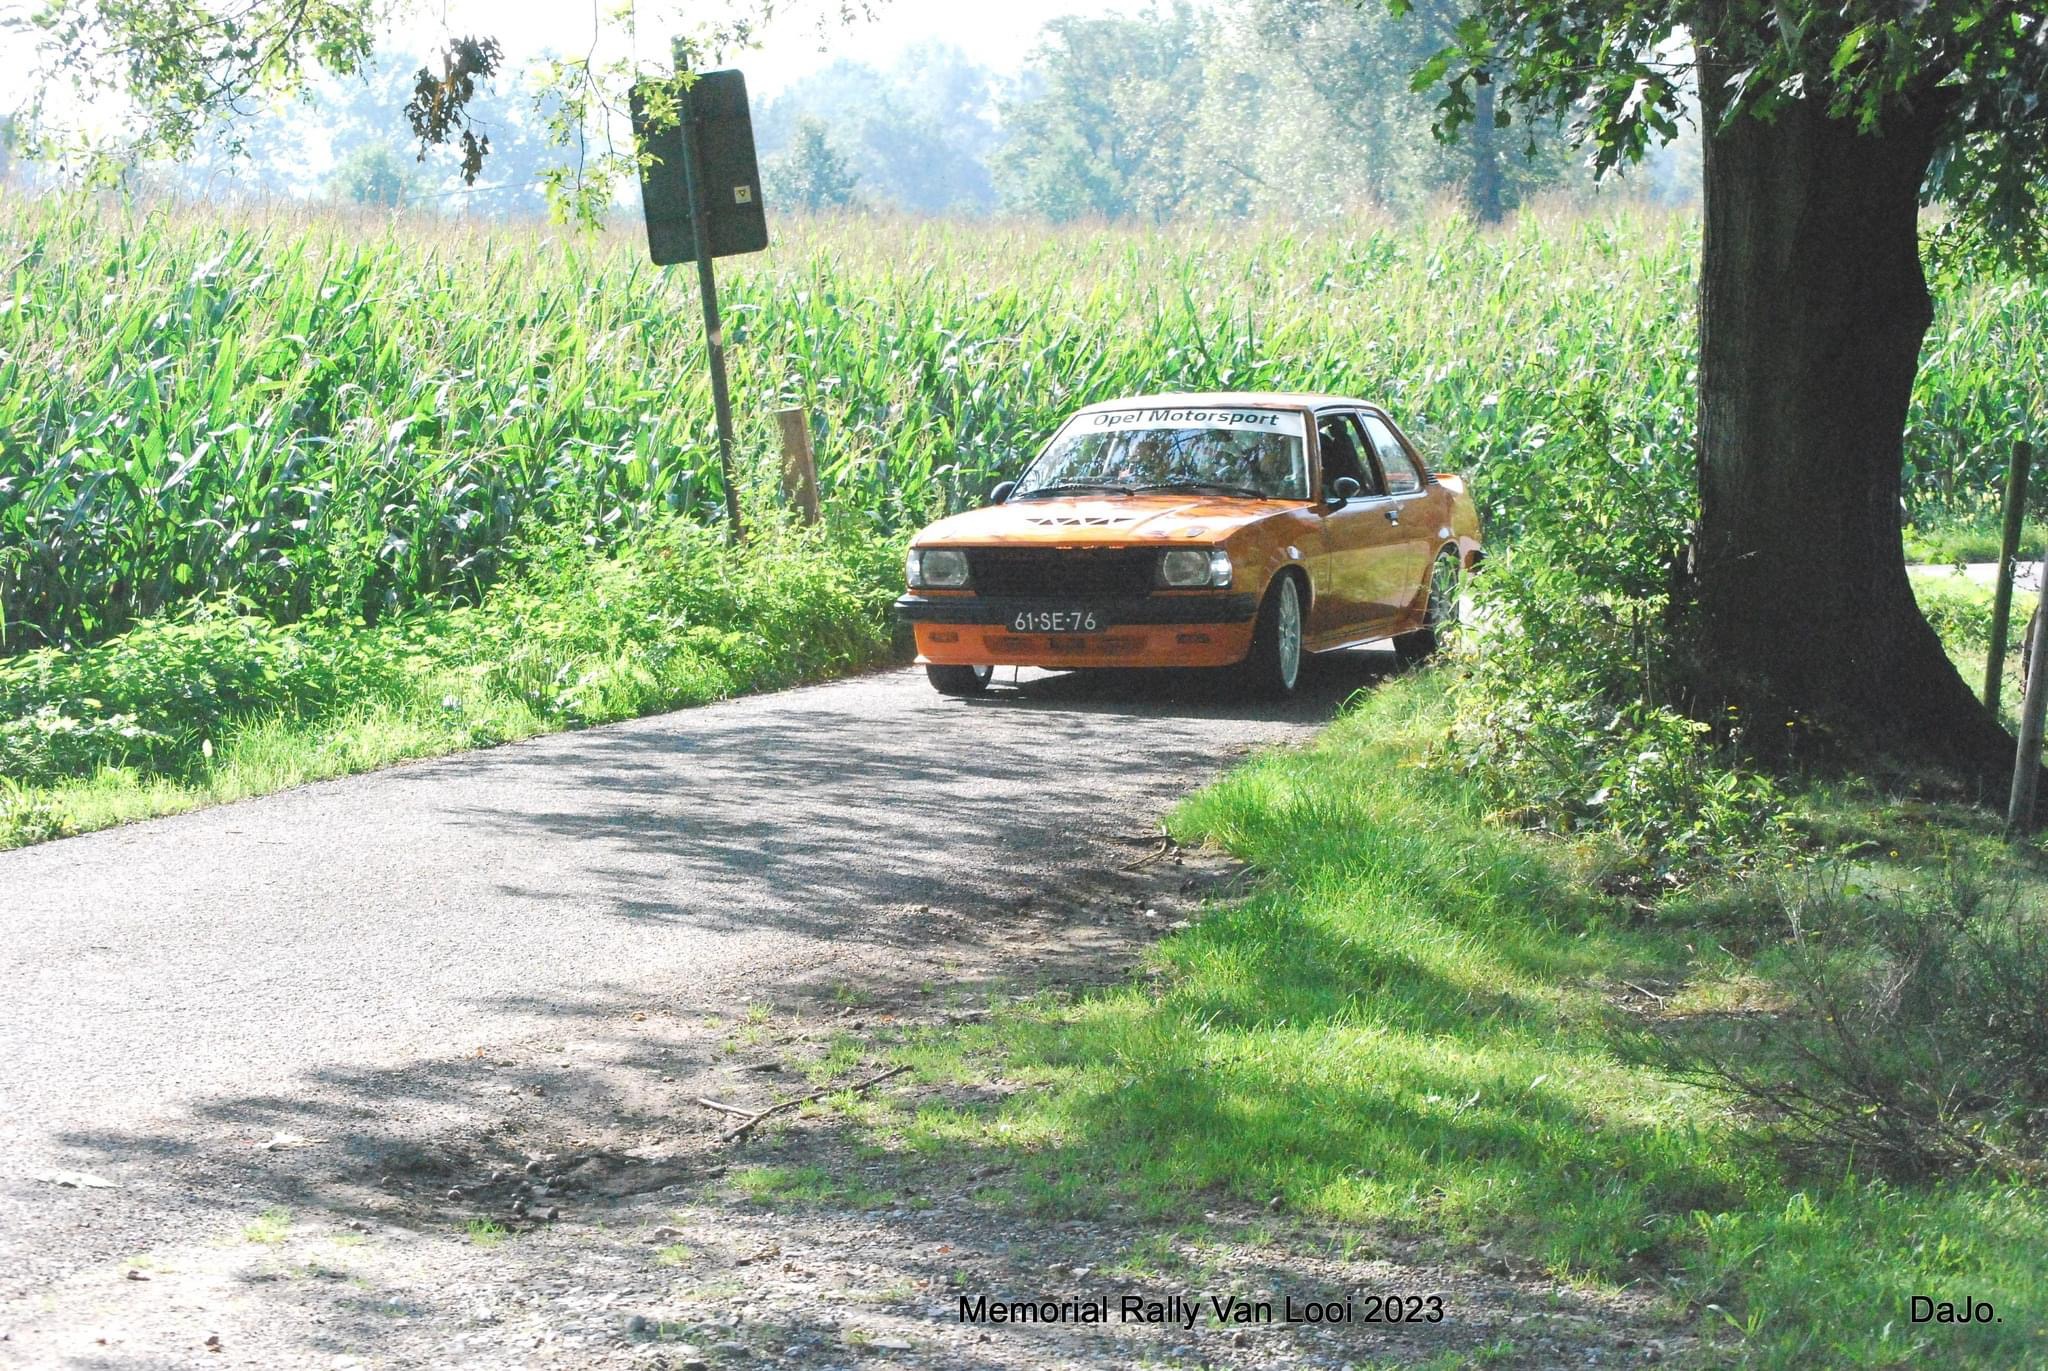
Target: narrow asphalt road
[
  {"x": 173, "y": 981},
  {"x": 2026, "y": 575}
]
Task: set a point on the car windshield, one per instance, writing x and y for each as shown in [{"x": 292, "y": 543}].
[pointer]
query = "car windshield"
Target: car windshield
[{"x": 1252, "y": 452}]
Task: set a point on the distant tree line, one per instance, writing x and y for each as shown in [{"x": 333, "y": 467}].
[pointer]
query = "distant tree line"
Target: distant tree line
[
  {"x": 1244, "y": 108},
  {"x": 1292, "y": 107},
  {"x": 916, "y": 136}
]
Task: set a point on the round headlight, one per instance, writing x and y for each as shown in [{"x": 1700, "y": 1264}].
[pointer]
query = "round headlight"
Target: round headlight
[
  {"x": 944, "y": 567},
  {"x": 1185, "y": 566}
]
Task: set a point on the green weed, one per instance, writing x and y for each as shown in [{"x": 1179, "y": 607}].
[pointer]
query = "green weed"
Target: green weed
[
  {"x": 485, "y": 1233},
  {"x": 270, "y": 1227},
  {"x": 1945, "y": 543},
  {"x": 803, "y": 1185},
  {"x": 27, "y": 816}
]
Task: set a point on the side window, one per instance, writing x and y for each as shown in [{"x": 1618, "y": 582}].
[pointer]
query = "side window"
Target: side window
[
  {"x": 1402, "y": 477},
  {"x": 1338, "y": 436}
]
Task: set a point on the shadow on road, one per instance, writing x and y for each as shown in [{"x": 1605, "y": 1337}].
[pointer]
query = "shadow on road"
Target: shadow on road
[
  {"x": 899, "y": 856},
  {"x": 1327, "y": 682},
  {"x": 824, "y": 821}
]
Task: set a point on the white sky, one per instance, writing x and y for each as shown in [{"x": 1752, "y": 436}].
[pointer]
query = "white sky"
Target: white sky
[
  {"x": 804, "y": 36},
  {"x": 998, "y": 34}
]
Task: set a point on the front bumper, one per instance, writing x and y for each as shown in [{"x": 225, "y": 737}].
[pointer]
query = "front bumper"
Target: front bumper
[{"x": 1194, "y": 630}]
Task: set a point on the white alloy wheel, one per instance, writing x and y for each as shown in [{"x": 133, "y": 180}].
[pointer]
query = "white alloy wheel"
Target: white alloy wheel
[{"x": 1289, "y": 637}]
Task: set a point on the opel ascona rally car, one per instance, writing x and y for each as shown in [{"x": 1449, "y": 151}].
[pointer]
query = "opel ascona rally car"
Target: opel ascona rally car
[{"x": 1229, "y": 530}]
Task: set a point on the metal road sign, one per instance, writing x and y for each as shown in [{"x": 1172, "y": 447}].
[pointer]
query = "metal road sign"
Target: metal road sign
[
  {"x": 702, "y": 196},
  {"x": 715, "y": 107}
]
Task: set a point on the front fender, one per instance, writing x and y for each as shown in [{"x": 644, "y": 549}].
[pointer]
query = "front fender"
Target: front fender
[{"x": 1261, "y": 551}]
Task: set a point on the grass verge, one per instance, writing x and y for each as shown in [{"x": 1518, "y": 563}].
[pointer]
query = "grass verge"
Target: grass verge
[
  {"x": 1419, "y": 1024},
  {"x": 1948, "y": 544},
  {"x": 1960, "y": 611},
  {"x": 219, "y": 706}
]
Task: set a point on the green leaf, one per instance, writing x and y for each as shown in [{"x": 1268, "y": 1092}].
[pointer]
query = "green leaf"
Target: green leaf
[
  {"x": 1431, "y": 71},
  {"x": 1851, "y": 45}
]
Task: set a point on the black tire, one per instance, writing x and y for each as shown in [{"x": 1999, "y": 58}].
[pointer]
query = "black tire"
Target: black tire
[
  {"x": 1272, "y": 668},
  {"x": 959, "y": 680},
  {"x": 1439, "y": 614}
]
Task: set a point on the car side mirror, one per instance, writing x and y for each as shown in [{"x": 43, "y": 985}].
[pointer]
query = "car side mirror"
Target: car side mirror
[
  {"x": 1001, "y": 492},
  {"x": 1343, "y": 491}
]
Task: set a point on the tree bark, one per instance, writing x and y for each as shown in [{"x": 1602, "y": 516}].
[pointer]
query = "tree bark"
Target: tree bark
[
  {"x": 1812, "y": 311},
  {"x": 1484, "y": 193}
]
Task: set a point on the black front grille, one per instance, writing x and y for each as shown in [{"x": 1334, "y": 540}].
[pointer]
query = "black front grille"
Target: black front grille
[{"x": 1062, "y": 570}]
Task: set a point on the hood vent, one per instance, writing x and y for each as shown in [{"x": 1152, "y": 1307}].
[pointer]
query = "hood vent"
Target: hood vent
[{"x": 1080, "y": 520}]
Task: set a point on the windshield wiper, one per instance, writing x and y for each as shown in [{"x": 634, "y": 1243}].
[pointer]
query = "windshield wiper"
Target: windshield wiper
[
  {"x": 1069, "y": 488},
  {"x": 1208, "y": 487}
]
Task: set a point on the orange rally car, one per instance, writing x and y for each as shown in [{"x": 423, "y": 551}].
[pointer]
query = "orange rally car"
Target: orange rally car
[{"x": 1232, "y": 530}]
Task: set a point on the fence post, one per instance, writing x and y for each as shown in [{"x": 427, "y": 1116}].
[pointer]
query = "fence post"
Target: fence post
[
  {"x": 2008, "y": 557},
  {"x": 2026, "y": 771},
  {"x": 799, "y": 465}
]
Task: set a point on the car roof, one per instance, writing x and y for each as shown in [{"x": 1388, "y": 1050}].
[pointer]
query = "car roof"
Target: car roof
[{"x": 1250, "y": 399}]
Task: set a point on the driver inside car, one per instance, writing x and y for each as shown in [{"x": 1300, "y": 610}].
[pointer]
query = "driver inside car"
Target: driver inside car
[
  {"x": 1276, "y": 471},
  {"x": 1340, "y": 455}
]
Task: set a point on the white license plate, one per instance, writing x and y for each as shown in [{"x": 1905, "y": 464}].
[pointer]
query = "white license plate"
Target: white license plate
[{"x": 1056, "y": 621}]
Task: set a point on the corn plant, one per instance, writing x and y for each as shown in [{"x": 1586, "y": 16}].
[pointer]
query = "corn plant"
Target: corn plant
[{"x": 299, "y": 413}]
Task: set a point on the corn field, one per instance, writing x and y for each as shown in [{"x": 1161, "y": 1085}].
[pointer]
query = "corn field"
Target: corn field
[{"x": 305, "y": 414}]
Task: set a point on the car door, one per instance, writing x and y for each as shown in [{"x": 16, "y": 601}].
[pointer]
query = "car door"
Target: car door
[
  {"x": 1414, "y": 512},
  {"x": 1349, "y": 599}
]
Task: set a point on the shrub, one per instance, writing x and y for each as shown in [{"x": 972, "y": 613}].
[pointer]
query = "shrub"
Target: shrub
[
  {"x": 154, "y": 696},
  {"x": 1960, "y": 611},
  {"x": 48, "y": 742},
  {"x": 1914, "y": 1034},
  {"x": 26, "y": 817},
  {"x": 1567, "y": 711},
  {"x": 675, "y": 617}
]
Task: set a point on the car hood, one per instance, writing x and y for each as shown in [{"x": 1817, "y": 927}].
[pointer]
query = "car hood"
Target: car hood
[{"x": 1096, "y": 520}]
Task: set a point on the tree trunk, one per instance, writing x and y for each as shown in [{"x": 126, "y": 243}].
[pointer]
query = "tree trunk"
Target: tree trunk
[
  {"x": 1812, "y": 311},
  {"x": 1484, "y": 192}
]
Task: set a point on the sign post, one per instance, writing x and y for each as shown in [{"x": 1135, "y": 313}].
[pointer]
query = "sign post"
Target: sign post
[
  {"x": 702, "y": 195},
  {"x": 714, "y": 333},
  {"x": 2008, "y": 557},
  {"x": 2026, "y": 770}
]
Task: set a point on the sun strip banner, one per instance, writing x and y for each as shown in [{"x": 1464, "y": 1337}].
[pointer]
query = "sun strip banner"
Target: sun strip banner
[{"x": 1255, "y": 420}]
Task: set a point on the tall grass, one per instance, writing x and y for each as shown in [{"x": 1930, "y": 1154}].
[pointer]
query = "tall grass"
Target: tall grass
[
  {"x": 351, "y": 415},
  {"x": 1416, "y": 1026},
  {"x": 214, "y": 706}
]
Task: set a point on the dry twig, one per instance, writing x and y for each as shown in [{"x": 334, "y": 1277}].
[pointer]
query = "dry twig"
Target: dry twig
[{"x": 754, "y": 1116}]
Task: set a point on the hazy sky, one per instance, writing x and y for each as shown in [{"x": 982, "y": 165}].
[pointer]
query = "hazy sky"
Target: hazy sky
[
  {"x": 998, "y": 34},
  {"x": 804, "y": 36}
]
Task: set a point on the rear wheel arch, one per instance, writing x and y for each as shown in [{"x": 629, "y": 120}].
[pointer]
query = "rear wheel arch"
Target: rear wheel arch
[
  {"x": 1423, "y": 641},
  {"x": 1449, "y": 548}
]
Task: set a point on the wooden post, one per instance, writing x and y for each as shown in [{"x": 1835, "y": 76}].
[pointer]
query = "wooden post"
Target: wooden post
[
  {"x": 2026, "y": 771},
  {"x": 2008, "y": 557},
  {"x": 799, "y": 465}
]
